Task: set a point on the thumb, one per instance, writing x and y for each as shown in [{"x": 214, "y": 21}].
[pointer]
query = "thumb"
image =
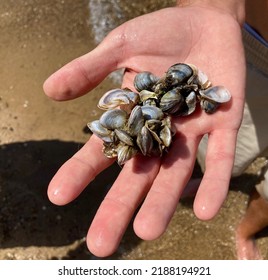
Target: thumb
[{"x": 84, "y": 73}]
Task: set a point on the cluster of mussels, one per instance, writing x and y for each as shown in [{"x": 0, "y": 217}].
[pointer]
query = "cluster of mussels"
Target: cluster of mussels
[{"x": 141, "y": 121}]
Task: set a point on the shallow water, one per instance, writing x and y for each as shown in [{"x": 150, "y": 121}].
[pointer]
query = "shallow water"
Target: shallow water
[
  {"x": 37, "y": 135},
  {"x": 107, "y": 15},
  {"x": 104, "y": 16}
]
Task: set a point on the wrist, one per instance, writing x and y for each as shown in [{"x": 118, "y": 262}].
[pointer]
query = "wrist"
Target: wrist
[{"x": 235, "y": 8}]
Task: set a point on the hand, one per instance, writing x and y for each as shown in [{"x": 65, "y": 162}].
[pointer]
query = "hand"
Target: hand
[{"x": 211, "y": 40}]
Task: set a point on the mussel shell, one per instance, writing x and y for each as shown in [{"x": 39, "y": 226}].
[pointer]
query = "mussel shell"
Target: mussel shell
[
  {"x": 191, "y": 102},
  {"x": 134, "y": 99},
  {"x": 143, "y": 122},
  {"x": 166, "y": 136},
  {"x": 217, "y": 94},
  {"x": 109, "y": 150},
  {"x": 124, "y": 153},
  {"x": 146, "y": 94},
  {"x": 202, "y": 80},
  {"x": 113, "y": 98},
  {"x": 102, "y": 132},
  {"x": 161, "y": 87},
  {"x": 178, "y": 73},
  {"x": 209, "y": 106},
  {"x": 135, "y": 121},
  {"x": 124, "y": 137},
  {"x": 118, "y": 97},
  {"x": 171, "y": 102},
  {"x": 154, "y": 126},
  {"x": 189, "y": 105},
  {"x": 150, "y": 102},
  {"x": 133, "y": 96},
  {"x": 145, "y": 81},
  {"x": 145, "y": 141},
  {"x": 114, "y": 118},
  {"x": 152, "y": 112},
  {"x": 167, "y": 122}
]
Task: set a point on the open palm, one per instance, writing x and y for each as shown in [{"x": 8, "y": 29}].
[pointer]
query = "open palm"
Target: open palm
[{"x": 211, "y": 40}]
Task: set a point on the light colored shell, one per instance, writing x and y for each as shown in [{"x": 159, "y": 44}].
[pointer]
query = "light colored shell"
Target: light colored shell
[
  {"x": 167, "y": 122},
  {"x": 200, "y": 78},
  {"x": 150, "y": 102},
  {"x": 109, "y": 150},
  {"x": 112, "y": 99},
  {"x": 191, "y": 102},
  {"x": 217, "y": 94},
  {"x": 117, "y": 97},
  {"x": 154, "y": 126},
  {"x": 212, "y": 97},
  {"x": 166, "y": 136},
  {"x": 146, "y": 94},
  {"x": 114, "y": 118},
  {"x": 102, "y": 132},
  {"x": 124, "y": 153}
]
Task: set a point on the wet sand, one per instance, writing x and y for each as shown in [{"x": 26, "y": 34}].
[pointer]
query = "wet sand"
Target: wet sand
[{"x": 37, "y": 135}]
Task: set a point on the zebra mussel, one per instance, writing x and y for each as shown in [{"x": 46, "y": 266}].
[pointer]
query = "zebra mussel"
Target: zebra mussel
[{"x": 140, "y": 122}]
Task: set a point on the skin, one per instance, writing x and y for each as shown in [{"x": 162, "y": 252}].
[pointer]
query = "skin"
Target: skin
[
  {"x": 211, "y": 41},
  {"x": 254, "y": 221}
]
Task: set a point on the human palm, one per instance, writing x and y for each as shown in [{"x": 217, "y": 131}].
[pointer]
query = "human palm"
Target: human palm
[{"x": 211, "y": 40}]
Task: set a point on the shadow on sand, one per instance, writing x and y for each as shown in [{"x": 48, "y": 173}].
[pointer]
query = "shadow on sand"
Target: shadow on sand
[{"x": 27, "y": 217}]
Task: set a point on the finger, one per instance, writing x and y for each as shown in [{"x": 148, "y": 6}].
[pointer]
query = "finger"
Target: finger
[
  {"x": 119, "y": 205},
  {"x": 163, "y": 197},
  {"x": 75, "y": 174},
  {"x": 86, "y": 72},
  {"x": 215, "y": 183}
]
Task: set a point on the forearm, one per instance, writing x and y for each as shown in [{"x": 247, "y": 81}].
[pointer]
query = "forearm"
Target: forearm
[{"x": 236, "y": 8}]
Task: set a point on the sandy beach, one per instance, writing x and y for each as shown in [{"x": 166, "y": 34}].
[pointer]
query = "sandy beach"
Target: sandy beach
[{"x": 37, "y": 135}]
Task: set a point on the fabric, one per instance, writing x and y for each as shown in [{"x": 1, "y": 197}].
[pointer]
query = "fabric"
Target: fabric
[{"x": 255, "y": 34}]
